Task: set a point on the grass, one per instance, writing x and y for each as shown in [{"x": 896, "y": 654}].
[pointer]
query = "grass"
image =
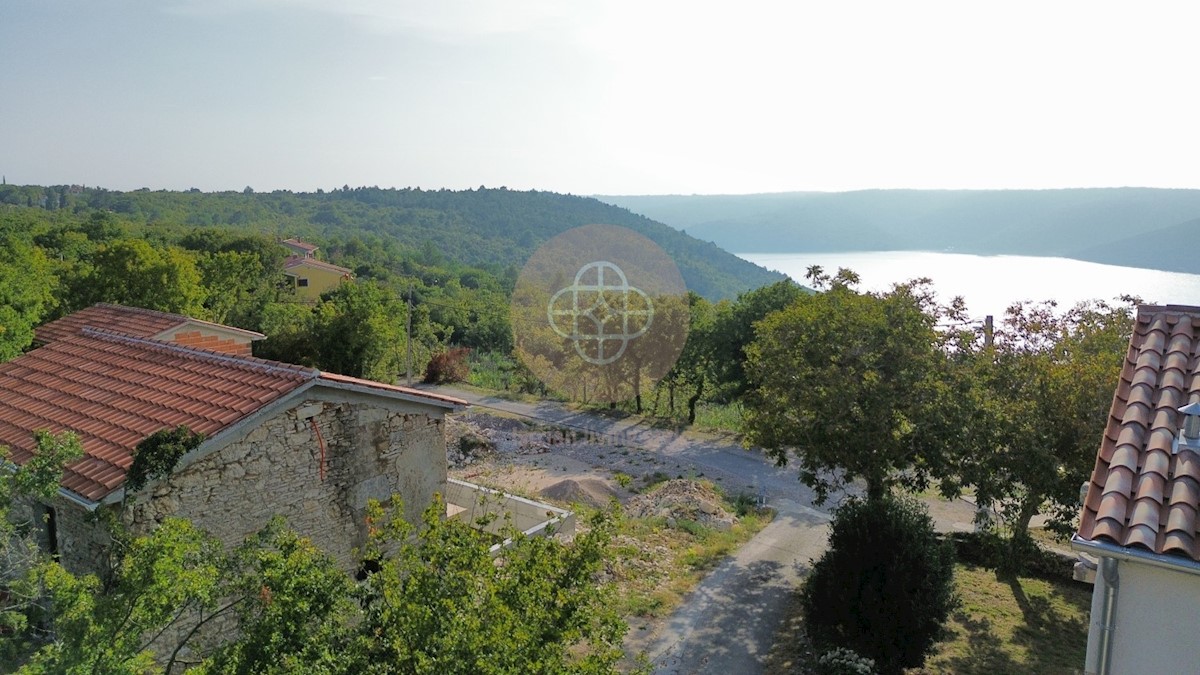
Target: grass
[
  {"x": 1004, "y": 626},
  {"x": 719, "y": 417},
  {"x": 1014, "y": 625},
  {"x": 654, "y": 566}
]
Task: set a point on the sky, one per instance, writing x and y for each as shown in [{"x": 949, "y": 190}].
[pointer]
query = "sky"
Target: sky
[{"x": 600, "y": 97}]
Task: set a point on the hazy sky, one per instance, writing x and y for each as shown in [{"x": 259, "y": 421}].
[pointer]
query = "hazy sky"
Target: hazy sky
[{"x": 598, "y": 97}]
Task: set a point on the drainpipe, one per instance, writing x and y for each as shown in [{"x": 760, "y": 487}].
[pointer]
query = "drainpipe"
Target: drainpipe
[{"x": 1108, "y": 613}]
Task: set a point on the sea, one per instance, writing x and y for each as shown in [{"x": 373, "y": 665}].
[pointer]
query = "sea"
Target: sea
[{"x": 990, "y": 283}]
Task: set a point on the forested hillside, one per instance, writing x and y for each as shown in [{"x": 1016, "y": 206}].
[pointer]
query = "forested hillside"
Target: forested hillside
[
  {"x": 493, "y": 228},
  {"x": 1124, "y": 226}
]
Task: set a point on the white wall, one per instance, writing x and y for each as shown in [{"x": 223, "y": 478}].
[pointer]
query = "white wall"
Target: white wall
[{"x": 1157, "y": 622}]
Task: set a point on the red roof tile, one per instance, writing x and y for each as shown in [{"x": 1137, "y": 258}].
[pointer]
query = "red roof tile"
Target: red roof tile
[
  {"x": 1141, "y": 494},
  {"x": 135, "y": 321},
  {"x": 113, "y": 390}
]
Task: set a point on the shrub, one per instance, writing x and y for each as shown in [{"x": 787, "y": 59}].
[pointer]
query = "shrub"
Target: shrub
[
  {"x": 884, "y": 587},
  {"x": 448, "y": 366},
  {"x": 842, "y": 661}
]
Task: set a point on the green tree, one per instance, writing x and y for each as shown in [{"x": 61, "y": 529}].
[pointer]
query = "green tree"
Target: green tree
[
  {"x": 26, "y": 293},
  {"x": 358, "y": 330},
  {"x": 162, "y": 581},
  {"x": 20, "y": 556},
  {"x": 698, "y": 362},
  {"x": 884, "y": 587},
  {"x": 855, "y": 384},
  {"x": 733, "y": 331},
  {"x": 133, "y": 272},
  {"x": 1043, "y": 392}
]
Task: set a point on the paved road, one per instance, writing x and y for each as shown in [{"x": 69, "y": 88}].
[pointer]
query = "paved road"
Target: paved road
[{"x": 726, "y": 625}]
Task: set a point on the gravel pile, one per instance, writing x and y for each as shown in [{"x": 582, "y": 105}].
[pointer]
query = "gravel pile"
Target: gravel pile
[{"x": 678, "y": 500}]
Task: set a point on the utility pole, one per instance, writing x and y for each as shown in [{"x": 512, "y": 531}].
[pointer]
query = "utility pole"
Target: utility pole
[
  {"x": 408, "y": 335},
  {"x": 987, "y": 331}
]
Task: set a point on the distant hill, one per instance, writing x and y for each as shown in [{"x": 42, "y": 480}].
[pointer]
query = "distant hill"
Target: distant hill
[
  {"x": 494, "y": 228},
  {"x": 1124, "y": 226}
]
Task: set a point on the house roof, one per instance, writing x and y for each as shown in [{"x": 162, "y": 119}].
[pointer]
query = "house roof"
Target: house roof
[
  {"x": 114, "y": 389},
  {"x": 134, "y": 321},
  {"x": 301, "y": 245},
  {"x": 294, "y": 261},
  {"x": 1141, "y": 495}
]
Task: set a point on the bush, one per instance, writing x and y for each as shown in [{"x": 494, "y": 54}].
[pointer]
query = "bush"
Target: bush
[
  {"x": 885, "y": 586},
  {"x": 842, "y": 661},
  {"x": 448, "y": 366}
]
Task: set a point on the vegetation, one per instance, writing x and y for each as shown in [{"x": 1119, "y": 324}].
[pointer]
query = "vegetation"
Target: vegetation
[
  {"x": 434, "y": 600},
  {"x": 156, "y": 456},
  {"x": 1042, "y": 390},
  {"x": 885, "y": 586},
  {"x": 486, "y": 229},
  {"x": 852, "y": 382},
  {"x": 1011, "y": 625},
  {"x": 1004, "y": 625}
]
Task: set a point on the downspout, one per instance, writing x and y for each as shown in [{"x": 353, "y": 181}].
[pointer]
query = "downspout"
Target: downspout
[{"x": 1108, "y": 613}]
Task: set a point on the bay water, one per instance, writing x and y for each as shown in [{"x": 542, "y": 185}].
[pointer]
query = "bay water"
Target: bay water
[{"x": 989, "y": 284}]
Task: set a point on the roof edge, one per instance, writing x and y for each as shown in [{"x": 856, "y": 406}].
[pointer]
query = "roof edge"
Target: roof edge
[
  {"x": 250, "y": 362},
  {"x": 1107, "y": 550},
  {"x": 355, "y": 384}
]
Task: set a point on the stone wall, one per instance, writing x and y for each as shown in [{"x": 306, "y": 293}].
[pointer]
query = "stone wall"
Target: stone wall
[{"x": 373, "y": 448}]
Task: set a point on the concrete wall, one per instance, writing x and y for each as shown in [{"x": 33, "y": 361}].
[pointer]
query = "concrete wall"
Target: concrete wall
[
  {"x": 1157, "y": 611},
  {"x": 494, "y": 512},
  {"x": 373, "y": 448}
]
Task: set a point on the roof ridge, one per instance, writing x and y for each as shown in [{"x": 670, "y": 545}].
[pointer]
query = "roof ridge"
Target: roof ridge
[
  {"x": 142, "y": 310},
  {"x": 261, "y": 365}
]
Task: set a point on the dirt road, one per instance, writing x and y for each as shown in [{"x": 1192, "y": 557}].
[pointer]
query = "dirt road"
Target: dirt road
[{"x": 728, "y": 623}]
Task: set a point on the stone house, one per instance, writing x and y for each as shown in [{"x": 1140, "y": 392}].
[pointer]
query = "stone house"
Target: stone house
[
  {"x": 279, "y": 438},
  {"x": 1139, "y": 527}
]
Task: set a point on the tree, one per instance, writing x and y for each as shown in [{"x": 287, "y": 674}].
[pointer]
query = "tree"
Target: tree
[
  {"x": 1044, "y": 389},
  {"x": 884, "y": 587},
  {"x": 358, "y": 330},
  {"x": 133, "y": 272},
  {"x": 733, "y": 331},
  {"x": 26, "y": 293},
  {"x": 20, "y": 556},
  {"x": 853, "y": 382},
  {"x": 695, "y": 368}
]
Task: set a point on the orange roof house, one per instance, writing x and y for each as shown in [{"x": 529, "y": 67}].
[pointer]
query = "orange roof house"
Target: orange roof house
[
  {"x": 311, "y": 277},
  {"x": 280, "y": 438},
  {"x": 1139, "y": 519}
]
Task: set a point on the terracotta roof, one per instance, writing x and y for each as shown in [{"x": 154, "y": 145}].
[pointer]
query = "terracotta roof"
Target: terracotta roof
[
  {"x": 134, "y": 321},
  {"x": 294, "y": 261},
  {"x": 1142, "y": 495},
  {"x": 302, "y": 245},
  {"x": 114, "y": 390}
]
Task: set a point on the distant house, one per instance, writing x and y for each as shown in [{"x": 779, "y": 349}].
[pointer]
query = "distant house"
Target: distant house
[
  {"x": 1139, "y": 520},
  {"x": 308, "y": 276},
  {"x": 299, "y": 247},
  {"x": 280, "y": 438}
]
